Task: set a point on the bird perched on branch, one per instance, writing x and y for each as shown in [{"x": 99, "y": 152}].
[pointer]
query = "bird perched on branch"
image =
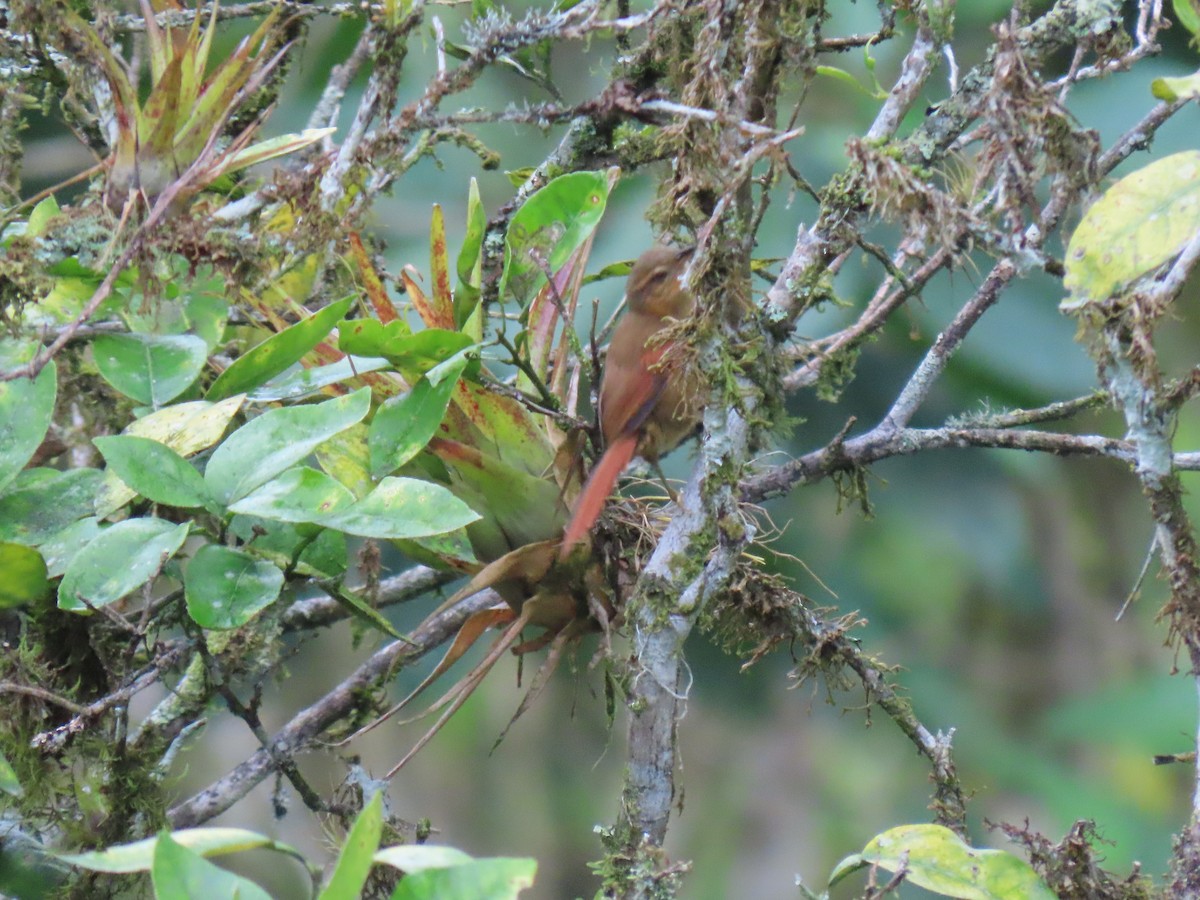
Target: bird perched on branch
[{"x": 651, "y": 397}]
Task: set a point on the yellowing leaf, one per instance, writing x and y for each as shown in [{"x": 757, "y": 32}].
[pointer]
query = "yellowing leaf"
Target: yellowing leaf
[
  {"x": 1172, "y": 89},
  {"x": 186, "y": 428},
  {"x": 1140, "y": 223},
  {"x": 270, "y": 149},
  {"x": 937, "y": 859}
]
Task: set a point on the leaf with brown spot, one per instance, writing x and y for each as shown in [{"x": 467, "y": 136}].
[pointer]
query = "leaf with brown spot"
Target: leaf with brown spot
[
  {"x": 439, "y": 266},
  {"x": 513, "y": 432},
  {"x": 372, "y": 283},
  {"x": 426, "y": 309}
]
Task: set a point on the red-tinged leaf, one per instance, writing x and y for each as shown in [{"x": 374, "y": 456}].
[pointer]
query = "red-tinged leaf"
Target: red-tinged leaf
[
  {"x": 559, "y": 363},
  {"x": 427, "y": 310},
  {"x": 520, "y": 508},
  {"x": 506, "y": 426},
  {"x": 468, "y": 634},
  {"x": 454, "y": 698},
  {"x": 156, "y": 163},
  {"x": 439, "y": 265},
  {"x": 327, "y": 353},
  {"x": 156, "y": 124},
  {"x": 558, "y": 295},
  {"x": 214, "y": 104},
  {"x": 160, "y": 51},
  {"x": 196, "y": 58},
  {"x": 372, "y": 283},
  {"x": 382, "y": 384},
  {"x": 123, "y": 174}
]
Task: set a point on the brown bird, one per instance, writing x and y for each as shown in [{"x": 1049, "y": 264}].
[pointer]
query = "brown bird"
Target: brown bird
[{"x": 650, "y": 400}]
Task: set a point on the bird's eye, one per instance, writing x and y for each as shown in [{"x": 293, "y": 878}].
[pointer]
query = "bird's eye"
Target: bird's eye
[{"x": 657, "y": 276}]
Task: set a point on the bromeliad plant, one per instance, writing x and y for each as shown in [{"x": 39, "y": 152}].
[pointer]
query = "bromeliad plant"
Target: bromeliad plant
[
  {"x": 174, "y": 137},
  {"x": 416, "y": 442},
  {"x": 498, "y": 447}
]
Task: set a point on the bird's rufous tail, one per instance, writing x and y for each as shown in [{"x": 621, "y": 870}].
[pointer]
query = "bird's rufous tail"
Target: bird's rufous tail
[{"x": 595, "y": 493}]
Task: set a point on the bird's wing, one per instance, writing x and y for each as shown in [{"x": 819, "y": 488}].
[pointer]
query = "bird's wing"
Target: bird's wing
[{"x": 628, "y": 402}]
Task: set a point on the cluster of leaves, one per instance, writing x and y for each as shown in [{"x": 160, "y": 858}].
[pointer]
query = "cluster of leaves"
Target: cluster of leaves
[
  {"x": 233, "y": 512},
  {"x": 178, "y": 866},
  {"x": 229, "y": 486},
  {"x": 256, "y": 512},
  {"x": 155, "y": 142},
  {"x": 226, "y": 486}
]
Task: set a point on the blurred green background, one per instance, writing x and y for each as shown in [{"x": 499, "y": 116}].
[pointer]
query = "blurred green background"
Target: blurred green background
[{"x": 991, "y": 578}]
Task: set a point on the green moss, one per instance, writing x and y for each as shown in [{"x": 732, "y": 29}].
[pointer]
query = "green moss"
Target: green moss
[
  {"x": 632, "y": 867},
  {"x": 636, "y": 145}
]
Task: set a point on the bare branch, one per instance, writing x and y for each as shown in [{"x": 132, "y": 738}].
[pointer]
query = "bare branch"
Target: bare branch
[{"x": 306, "y": 726}]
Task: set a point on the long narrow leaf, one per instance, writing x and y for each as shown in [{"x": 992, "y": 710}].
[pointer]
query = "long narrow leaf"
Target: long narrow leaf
[{"x": 269, "y": 149}]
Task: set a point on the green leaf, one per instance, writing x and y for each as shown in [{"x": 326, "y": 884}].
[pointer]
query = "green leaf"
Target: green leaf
[
  {"x": 207, "y": 313},
  {"x": 274, "y": 355},
  {"x": 1172, "y": 89},
  {"x": 470, "y": 258},
  {"x": 403, "y": 508},
  {"x": 362, "y": 610},
  {"x": 40, "y": 217},
  {"x": 347, "y": 459},
  {"x": 354, "y": 862},
  {"x": 271, "y": 148},
  {"x": 369, "y": 337},
  {"x": 480, "y": 879},
  {"x": 517, "y": 177},
  {"x": 1140, "y": 223},
  {"x": 547, "y": 229},
  {"x": 152, "y": 369},
  {"x": 277, "y": 440},
  {"x": 186, "y": 428},
  {"x": 154, "y": 470},
  {"x": 9, "y": 783},
  {"x": 612, "y": 270},
  {"x": 60, "y": 548},
  {"x": 937, "y": 859},
  {"x": 324, "y": 556},
  {"x": 226, "y": 588},
  {"x": 301, "y": 382},
  {"x": 26, "y": 408},
  {"x": 404, "y": 425},
  {"x": 25, "y": 579},
  {"x": 845, "y": 77},
  {"x": 182, "y": 874},
  {"x": 1186, "y": 11},
  {"x": 841, "y": 75},
  {"x": 300, "y": 494},
  {"x": 520, "y": 508},
  {"x": 139, "y": 855},
  {"x": 412, "y": 354},
  {"x": 42, "y": 502},
  {"x": 119, "y": 561},
  {"x": 418, "y": 857}
]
